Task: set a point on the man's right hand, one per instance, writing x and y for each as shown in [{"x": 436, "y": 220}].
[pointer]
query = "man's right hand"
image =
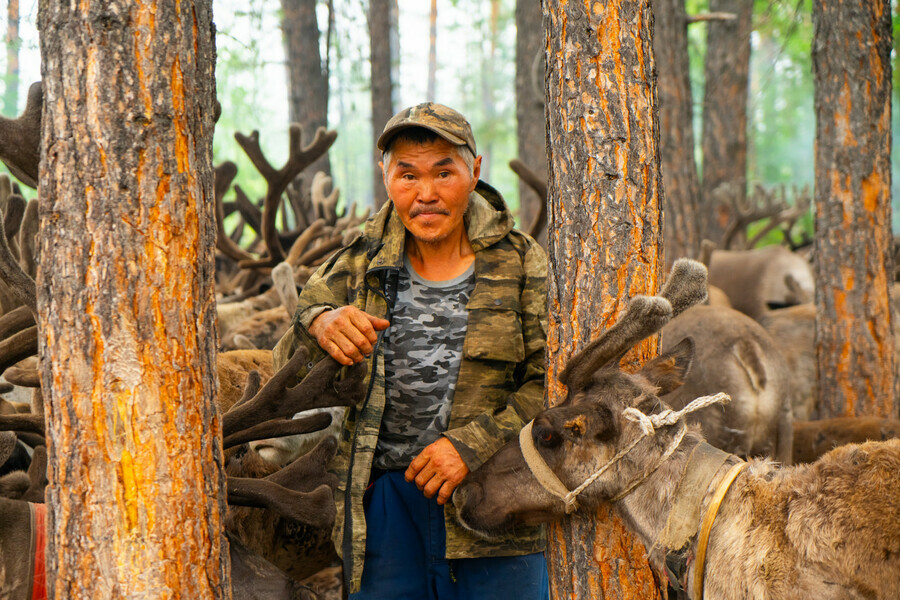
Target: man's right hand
[{"x": 347, "y": 333}]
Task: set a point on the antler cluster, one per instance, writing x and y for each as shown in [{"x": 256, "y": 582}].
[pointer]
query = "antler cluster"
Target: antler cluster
[
  {"x": 766, "y": 204},
  {"x": 319, "y": 228}
]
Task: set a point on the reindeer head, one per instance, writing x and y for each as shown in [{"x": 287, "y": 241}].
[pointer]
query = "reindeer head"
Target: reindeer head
[{"x": 581, "y": 439}]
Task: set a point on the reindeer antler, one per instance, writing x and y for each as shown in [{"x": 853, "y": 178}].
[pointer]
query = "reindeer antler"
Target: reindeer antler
[
  {"x": 296, "y": 491},
  {"x": 276, "y": 400},
  {"x": 762, "y": 204},
  {"x": 644, "y": 316},
  {"x": 277, "y": 181},
  {"x": 540, "y": 187},
  {"x": 325, "y": 204},
  {"x": 225, "y": 174},
  {"x": 20, "y": 139},
  {"x": 21, "y": 285}
]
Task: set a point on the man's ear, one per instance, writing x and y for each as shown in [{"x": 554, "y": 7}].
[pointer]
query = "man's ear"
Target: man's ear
[
  {"x": 668, "y": 371},
  {"x": 476, "y": 172}
]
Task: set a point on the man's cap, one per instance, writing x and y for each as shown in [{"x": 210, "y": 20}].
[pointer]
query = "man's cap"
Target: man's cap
[{"x": 438, "y": 118}]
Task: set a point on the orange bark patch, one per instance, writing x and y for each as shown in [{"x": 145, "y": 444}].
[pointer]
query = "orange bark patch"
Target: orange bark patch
[
  {"x": 842, "y": 128},
  {"x": 873, "y": 190}
]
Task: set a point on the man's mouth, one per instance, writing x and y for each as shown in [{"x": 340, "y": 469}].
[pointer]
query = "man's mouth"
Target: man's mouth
[{"x": 428, "y": 212}]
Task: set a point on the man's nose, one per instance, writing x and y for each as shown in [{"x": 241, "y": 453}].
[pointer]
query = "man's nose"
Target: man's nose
[{"x": 426, "y": 190}]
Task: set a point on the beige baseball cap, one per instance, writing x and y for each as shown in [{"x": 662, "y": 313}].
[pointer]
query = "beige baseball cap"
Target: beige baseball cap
[{"x": 438, "y": 118}]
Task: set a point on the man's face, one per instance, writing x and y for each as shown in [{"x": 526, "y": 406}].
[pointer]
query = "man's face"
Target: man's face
[{"x": 430, "y": 186}]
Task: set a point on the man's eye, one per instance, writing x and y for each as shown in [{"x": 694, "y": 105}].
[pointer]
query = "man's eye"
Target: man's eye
[{"x": 444, "y": 174}]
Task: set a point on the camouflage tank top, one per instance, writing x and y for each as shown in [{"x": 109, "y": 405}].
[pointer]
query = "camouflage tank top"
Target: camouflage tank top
[{"x": 422, "y": 352}]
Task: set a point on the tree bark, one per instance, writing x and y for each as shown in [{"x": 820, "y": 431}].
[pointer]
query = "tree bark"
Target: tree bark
[
  {"x": 307, "y": 81},
  {"x": 126, "y": 301},
  {"x": 382, "y": 60},
  {"x": 11, "y": 92},
  {"x": 725, "y": 115},
  {"x": 853, "y": 267},
  {"x": 603, "y": 239},
  {"x": 530, "y": 120},
  {"x": 676, "y": 118}
]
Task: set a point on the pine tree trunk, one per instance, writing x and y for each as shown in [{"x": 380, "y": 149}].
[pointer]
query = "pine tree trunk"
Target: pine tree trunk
[
  {"x": 603, "y": 240},
  {"x": 307, "y": 83},
  {"x": 725, "y": 114},
  {"x": 11, "y": 93},
  {"x": 853, "y": 267},
  {"x": 530, "y": 120},
  {"x": 676, "y": 116},
  {"x": 488, "y": 106},
  {"x": 382, "y": 59},
  {"x": 126, "y": 301},
  {"x": 432, "y": 53}
]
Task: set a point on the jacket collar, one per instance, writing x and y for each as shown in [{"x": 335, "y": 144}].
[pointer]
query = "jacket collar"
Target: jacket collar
[{"x": 487, "y": 220}]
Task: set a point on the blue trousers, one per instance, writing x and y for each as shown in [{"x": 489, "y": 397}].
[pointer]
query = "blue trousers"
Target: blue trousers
[{"x": 405, "y": 547}]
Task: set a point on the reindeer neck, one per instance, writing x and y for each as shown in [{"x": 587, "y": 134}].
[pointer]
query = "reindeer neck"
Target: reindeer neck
[
  {"x": 682, "y": 487},
  {"x": 647, "y": 507}
]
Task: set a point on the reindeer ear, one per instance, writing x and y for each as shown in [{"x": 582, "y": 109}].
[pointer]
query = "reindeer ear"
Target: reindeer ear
[{"x": 668, "y": 371}]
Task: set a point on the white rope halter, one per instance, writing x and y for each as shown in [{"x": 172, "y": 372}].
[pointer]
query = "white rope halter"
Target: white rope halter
[{"x": 648, "y": 424}]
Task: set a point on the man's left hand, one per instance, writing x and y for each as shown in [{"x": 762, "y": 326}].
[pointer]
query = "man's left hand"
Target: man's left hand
[{"x": 438, "y": 469}]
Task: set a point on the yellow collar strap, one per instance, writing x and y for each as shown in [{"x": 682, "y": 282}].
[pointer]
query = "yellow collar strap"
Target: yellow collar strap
[{"x": 708, "y": 519}]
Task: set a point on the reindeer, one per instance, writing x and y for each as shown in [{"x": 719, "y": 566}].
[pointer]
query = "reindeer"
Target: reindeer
[
  {"x": 737, "y": 356},
  {"x": 725, "y": 529}
]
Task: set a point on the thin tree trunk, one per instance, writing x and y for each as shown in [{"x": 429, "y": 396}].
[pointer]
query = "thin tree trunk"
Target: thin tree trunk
[
  {"x": 486, "y": 147},
  {"x": 11, "y": 92},
  {"x": 603, "y": 239},
  {"x": 530, "y": 120},
  {"x": 126, "y": 301},
  {"x": 853, "y": 267},
  {"x": 725, "y": 114},
  {"x": 307, "y": 81},
  {"x": 382, "y": 60},
  {"x": 432, "y": 53},
  {"x": 676, "y": 117}
]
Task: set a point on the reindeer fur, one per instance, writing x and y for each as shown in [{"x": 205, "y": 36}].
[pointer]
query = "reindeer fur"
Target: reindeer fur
[{"x": 735, "y": 355}]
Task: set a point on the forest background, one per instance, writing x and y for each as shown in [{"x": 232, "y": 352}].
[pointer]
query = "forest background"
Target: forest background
[{"x": 475, "y": 73}]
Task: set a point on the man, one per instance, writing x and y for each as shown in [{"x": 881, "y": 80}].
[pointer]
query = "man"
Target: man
[{"x": 447, "y": 304}]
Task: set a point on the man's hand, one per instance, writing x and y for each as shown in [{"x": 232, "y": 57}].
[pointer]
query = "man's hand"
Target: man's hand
[
  {"x": 438, "y": 469},
  {"x": 347, "y": 333}
]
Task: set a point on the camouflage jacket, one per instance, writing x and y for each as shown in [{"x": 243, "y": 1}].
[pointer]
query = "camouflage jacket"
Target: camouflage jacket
[{"x": 500, "y": 385}]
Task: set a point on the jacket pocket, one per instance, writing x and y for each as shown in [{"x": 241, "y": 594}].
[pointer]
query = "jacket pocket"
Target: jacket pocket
[{"x": 495, "y": 333}]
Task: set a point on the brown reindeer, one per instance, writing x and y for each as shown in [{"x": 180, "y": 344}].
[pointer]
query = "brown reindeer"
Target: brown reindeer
[
  {"x": 724, "y": 529},
  {"x": 735, "y": 355}
]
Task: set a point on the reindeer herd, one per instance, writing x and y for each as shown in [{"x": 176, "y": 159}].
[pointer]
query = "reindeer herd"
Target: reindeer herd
[{"x": 830, "y": 529}]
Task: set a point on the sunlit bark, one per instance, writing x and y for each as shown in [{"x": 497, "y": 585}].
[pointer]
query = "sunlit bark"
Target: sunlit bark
[
  {"x": 126, "y": 301},
  {"x": 604, "y": 239}
]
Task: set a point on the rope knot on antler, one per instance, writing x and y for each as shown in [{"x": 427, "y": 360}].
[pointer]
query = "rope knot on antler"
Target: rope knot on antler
[{"x": 650, "y": 423}]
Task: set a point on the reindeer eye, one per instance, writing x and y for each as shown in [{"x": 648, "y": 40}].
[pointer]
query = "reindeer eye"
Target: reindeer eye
[{"x": 547, "y": 437}]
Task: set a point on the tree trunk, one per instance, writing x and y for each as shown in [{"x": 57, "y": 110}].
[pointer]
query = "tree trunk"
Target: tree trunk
[
  {"x": 432, "y": 53},
  {"x": 11, "y": 92},
  {"x": 382, "y": 59},
  {"x": 603, "y": 240},
  {"x": 853, "y": 267},
  {"x": 530, "y": 121},
  {"x": 725, "y": 114},
  {"x": 126, "y": 301},
  {"x": 676, "y": 117},
  {"x": 307, "y": 81},
  {"x": 486, "y": 146}
]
